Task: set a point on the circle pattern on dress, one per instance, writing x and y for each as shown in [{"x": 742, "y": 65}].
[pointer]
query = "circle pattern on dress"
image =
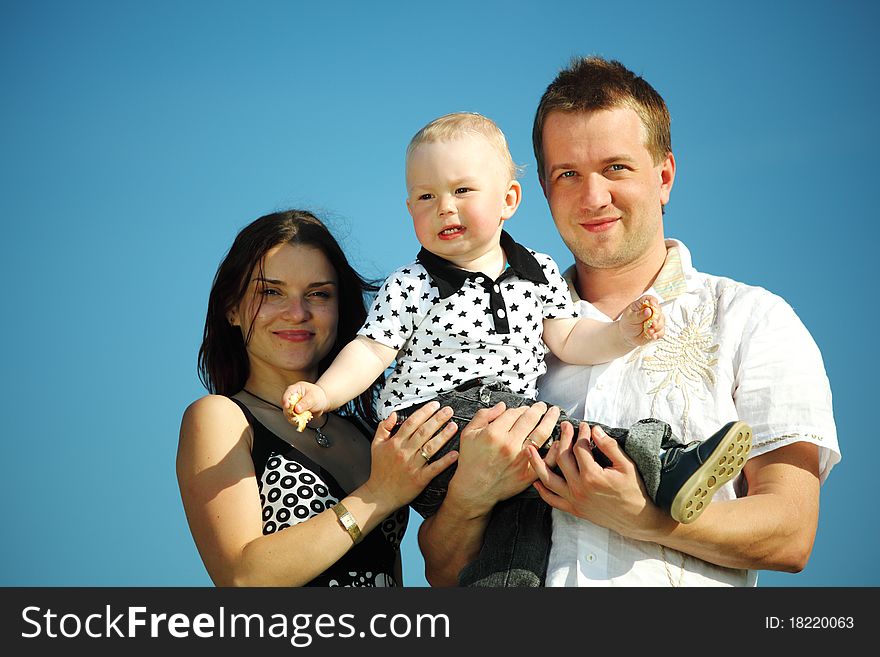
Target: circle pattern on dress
[{"x": 291, "y": 493}]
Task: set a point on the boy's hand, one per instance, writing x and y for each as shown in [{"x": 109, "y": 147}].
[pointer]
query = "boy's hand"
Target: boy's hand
[
  {"x": 302, "y": 401},
  {"x": 642, "y": 321}
]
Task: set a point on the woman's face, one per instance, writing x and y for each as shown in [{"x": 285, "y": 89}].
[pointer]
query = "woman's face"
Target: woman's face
[{"x": 295, "y": 325}]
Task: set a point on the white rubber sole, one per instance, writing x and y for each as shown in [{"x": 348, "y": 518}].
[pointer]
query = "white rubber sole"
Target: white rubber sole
[{"x": 724, "y": 464}]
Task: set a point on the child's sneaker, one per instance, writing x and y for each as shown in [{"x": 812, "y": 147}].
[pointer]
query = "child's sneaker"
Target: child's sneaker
[{"x": 691, "y": 474}]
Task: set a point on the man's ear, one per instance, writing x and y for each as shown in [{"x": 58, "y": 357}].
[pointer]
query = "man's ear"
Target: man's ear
[
  {"x": 667, "y": 177},
  {"x": 512, "y": 199}
]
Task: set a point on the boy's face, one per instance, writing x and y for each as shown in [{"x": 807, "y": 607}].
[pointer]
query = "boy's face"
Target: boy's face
[{"x": 460, "y": 193}]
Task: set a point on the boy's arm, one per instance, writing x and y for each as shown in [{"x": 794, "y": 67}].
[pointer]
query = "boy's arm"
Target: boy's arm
[
  {"x": 582, "y": 341},
  {"x": 359, "y": 363}
]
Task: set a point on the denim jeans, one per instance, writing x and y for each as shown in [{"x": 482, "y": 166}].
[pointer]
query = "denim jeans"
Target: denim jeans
[{"x": 517, "y": 540}]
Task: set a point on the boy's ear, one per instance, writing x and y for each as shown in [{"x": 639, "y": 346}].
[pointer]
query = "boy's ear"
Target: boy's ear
[
  {"x": 409, "y": 206},
  {"x": 512, "y": 199}
]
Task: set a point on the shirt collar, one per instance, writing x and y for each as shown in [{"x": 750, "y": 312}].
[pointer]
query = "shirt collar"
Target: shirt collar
[
  {"x": 449, "y": 279},
  {"x": 670, "y": 282}
]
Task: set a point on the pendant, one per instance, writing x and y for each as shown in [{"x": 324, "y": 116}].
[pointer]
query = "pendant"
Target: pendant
[{"x": 321, "y": 439}]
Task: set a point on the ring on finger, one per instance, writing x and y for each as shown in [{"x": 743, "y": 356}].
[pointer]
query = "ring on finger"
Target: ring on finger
[
  {"x": 529, "y": 440},
  {"x": 424, "y": 453}
]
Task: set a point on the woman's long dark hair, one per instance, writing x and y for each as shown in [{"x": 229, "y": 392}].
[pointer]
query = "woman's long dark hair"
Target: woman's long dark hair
[{"x": 223, "y": 360}]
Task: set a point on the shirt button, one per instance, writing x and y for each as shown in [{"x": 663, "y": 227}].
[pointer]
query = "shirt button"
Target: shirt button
[
  {"x": 500, "y": 312},
  {"x": 497, "y": 289},
  {"x": 479, "y": 279},
  {"x": 600, "y": 386},
  {"x": 591, "y": 558}
]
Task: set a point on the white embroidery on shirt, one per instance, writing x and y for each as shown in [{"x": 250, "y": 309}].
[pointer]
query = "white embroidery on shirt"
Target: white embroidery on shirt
[{"x": 684, "y": 358}]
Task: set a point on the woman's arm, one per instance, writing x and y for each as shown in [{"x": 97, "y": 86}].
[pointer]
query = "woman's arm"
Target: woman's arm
[{"x": 220, "y": 496}]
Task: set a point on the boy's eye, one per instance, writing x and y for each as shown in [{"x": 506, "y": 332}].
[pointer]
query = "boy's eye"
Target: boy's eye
[
  {"x": 462, "y": 190},
  {"x": 425, "y": 197}
]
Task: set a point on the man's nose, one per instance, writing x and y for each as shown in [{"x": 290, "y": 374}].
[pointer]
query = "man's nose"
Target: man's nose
[{"x": 595, "y": 193}]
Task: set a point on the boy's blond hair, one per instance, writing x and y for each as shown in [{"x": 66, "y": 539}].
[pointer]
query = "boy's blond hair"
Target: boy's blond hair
[{"x": 459, "y": 124}]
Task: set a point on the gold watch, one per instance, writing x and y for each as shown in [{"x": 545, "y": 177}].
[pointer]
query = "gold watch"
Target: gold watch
[{"x": 348, "y": 522}]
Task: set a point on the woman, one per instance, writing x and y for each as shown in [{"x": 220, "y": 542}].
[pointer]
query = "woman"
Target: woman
[{"x": 266, "y": 504}]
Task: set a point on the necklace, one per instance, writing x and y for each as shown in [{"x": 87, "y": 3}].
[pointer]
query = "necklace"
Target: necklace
[{"x": 320, "y": 437}]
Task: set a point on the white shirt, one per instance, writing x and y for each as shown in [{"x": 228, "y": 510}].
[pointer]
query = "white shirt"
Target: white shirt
[{"x": 731, "y": 351}]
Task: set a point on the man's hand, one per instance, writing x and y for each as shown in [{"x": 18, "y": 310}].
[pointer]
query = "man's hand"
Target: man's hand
[
  {"x": 613, "y": 497},
  {"x": 493, "y": 464}
]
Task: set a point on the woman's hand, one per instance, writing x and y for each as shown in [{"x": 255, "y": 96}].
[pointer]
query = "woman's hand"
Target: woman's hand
[{"x": 400, "y": 469}]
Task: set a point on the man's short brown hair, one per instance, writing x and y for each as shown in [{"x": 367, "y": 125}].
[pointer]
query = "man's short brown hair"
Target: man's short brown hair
[{"x": 590, "y": 84}]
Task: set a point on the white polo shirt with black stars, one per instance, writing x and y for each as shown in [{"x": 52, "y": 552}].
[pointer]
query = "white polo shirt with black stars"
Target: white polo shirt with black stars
[{"x": 450, "y": 325}]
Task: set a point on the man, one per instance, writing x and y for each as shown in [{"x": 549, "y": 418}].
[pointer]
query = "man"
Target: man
[{"x": 732, "y": 351}]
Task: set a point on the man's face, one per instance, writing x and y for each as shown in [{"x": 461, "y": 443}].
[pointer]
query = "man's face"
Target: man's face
[{"x": 604, "y": 190}]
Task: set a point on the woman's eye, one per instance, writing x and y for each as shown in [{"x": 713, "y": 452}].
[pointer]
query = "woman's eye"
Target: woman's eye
[{"x": 269, "y": 292}]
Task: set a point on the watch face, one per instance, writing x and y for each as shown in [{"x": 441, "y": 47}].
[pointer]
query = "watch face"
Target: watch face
[{"x": 347, "y": 520}]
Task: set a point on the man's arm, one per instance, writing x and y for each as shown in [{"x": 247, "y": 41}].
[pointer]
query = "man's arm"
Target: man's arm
[
  {"x": 492, "y": 467},
  {"x": 772, "y": 528}
]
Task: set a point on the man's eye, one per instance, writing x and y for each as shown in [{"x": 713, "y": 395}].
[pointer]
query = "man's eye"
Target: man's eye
[
  {"x": 617, "y": 167},
  {"x": 566, "y": 174}
]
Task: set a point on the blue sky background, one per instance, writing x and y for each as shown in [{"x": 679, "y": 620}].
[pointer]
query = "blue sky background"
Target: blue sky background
[{"x": 137, "y": 138}]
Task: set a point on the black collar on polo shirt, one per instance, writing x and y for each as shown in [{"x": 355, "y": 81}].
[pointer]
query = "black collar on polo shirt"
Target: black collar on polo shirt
[{"x": 449, "y": 279}]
